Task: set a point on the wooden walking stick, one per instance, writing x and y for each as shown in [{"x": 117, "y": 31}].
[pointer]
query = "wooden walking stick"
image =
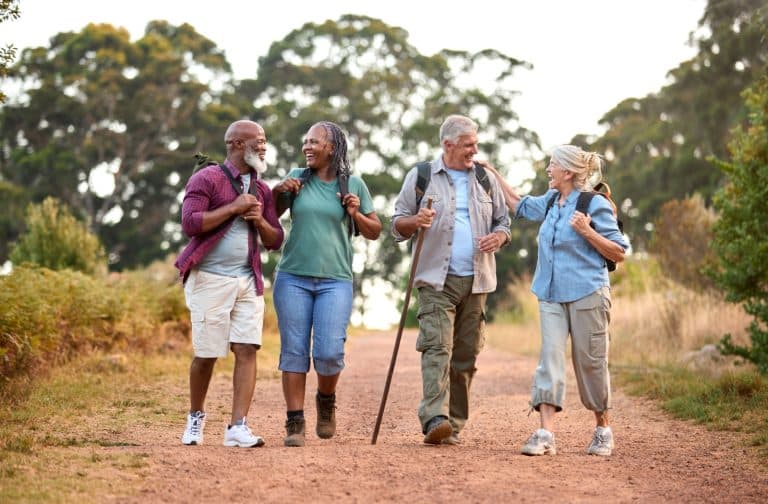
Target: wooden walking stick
[{"x": 403, "y": 315}]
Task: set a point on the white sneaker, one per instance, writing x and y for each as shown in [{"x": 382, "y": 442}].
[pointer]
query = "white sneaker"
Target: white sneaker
[
  {"x": 541, "y": 442},
  {"x": 602, "y": 442},
  {"x": 241, "y": 436},
  {"x": 193, "y": 434}
]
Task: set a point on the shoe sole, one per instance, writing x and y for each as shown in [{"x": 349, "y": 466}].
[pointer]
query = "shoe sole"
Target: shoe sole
[
  {"x": 549, "y": 451},
  {"x": 232, "y": 444},
  {"x": 293, "y": 443},
  {"x": 439, "y": 433},
  {"x": 325, "y": 435}
]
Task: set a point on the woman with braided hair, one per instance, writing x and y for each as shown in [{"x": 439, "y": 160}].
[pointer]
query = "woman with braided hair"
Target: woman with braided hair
[
  {"x": 572, "y": 285},
  {"x": 312, "y": 292}
]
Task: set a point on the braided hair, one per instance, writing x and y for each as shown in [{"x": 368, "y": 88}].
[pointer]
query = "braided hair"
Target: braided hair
[{"x": 339, "y": 159}]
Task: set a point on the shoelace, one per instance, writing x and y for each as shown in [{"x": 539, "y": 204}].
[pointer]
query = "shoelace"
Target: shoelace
[
  {"x": 600, "y": 439},
  {"x": 197, "y": 424}
]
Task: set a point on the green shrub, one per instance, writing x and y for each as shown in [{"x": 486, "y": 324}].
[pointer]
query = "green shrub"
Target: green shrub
[
  {"x": 50, "y": 316},
  {"x": 55, "y": 239},
  {"x": 741, "y": 233}
]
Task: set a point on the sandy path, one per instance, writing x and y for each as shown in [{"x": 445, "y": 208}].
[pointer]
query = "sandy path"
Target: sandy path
[{"x": 656, "y": 459}]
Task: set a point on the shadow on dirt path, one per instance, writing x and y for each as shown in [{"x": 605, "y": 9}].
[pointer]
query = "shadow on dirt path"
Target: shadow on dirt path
[{"x": 656, "y": 459}]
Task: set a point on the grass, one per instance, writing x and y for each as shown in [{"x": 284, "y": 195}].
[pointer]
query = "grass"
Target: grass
[
  {"x": 53, "y": 438},
  {"x": 657, "y": 327}
]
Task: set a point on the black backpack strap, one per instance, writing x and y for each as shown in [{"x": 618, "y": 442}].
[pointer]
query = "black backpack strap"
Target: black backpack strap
[
  {"x": 550, "y": 203},
  {"x": 582, "y": 205},
  {"x": 481, "y": 174},
  {"x": 232, "y": 180},
  {"x": 343, "y": 190},
  {"x": 252, "y": 189},
  {"x": 303, "y": 177},
  {"x": 423, "y": 174}
]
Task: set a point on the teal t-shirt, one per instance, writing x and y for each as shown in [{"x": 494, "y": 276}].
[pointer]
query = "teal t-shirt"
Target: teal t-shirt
[{"x": 318, "y": 244}]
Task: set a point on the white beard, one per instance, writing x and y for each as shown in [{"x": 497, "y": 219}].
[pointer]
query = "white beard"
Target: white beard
[{"x": 253, "y": 160}]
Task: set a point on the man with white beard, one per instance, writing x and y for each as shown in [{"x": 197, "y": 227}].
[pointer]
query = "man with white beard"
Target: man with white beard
[{"x": 226, "y": 212}]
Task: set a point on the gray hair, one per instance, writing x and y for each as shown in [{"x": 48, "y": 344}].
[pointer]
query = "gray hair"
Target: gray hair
[
  {"x": 587, "y": 167},
  {"x": 456, "y": 126}
]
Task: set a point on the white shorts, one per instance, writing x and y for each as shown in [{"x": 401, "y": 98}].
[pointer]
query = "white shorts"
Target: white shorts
[{"x": 223, "y": 310}]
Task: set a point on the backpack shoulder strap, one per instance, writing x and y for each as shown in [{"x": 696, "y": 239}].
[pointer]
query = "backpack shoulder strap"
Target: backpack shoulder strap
[
  {"x": 550, "y": 203},
  {"x": 232, "y": 180},
  {"x": 424, "y": 173},
  {"x": 585, "y": 198},
  {"x": 482, "y": 177}
]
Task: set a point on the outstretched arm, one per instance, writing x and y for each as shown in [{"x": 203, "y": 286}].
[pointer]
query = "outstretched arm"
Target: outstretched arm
[{"x": 510, "y": 196}]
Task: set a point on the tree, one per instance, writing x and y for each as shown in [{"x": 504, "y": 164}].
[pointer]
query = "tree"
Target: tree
[
  {"x": 56, "y": 240},
  {"x": 109, "y": 126},
  {"x": 657, "y": 146},
  {"x": 389, "y": 98},
  {"x": 741, "y": 233},
  {"x": 681, "y": 240},
  {"x": 9, "y": 9}
]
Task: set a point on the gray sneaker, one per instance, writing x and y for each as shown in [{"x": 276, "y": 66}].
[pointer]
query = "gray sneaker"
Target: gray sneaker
[
  {"x": 541, "y": 442},
  {"x": 294, "y": 428},
  {"x": 602, "y": 442}
]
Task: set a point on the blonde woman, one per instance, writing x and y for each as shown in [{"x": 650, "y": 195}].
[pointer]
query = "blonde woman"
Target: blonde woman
[{"x": 572, "y": 284}]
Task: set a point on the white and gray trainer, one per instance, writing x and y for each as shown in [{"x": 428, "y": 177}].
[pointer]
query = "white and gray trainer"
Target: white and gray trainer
[
  {"x": 193, "y": 433},
  {"x": 541, "y": 442},
  {"x": 240, "y": 435},
  {"x": 602, "y": 442}
]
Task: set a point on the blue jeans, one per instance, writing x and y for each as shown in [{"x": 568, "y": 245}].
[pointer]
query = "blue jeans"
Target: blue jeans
[{"x": 310, "y": 308}]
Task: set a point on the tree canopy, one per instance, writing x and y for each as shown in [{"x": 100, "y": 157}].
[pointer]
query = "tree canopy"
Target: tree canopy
[{"x": 657, "y": 146}]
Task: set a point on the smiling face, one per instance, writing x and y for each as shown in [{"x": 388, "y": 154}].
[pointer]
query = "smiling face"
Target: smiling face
[
  {"x": 460, "y": 155},
  {"x": 316, "y": 148},
  {"x": 560, "y": 179}
]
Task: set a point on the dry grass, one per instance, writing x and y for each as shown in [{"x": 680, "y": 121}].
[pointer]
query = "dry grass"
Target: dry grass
[{"x": 654, "y": 322}]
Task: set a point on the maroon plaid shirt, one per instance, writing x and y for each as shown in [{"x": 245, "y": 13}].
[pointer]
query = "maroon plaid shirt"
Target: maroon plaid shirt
[{"x": 209, "y": 189}]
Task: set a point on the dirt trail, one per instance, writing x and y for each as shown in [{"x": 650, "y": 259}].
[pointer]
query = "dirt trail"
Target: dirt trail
[{"x": 656, "y": 459}]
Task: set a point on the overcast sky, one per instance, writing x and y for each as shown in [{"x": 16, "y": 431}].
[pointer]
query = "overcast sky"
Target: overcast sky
[{"x": 588, "y": 55}]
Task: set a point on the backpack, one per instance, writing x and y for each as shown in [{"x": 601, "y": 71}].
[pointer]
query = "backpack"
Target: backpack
[
  {"x": 424, "y": 173},
  {"x": 582, "y": 205},
  {"x": 202, "y": 160},
  {"x": 304, "y": 176}
]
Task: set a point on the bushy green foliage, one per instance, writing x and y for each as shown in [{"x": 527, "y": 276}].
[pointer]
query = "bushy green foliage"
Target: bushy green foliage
[
  {"x": 55, "y": 239},
  {"x": 49, "y": 316},
  {"x": 9, "y": 9},
  {"x": 741, "y": 234},
  {"x": 681, "y": 239}
]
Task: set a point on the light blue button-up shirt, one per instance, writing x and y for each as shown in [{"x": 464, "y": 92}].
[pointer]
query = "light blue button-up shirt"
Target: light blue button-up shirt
[{"x": 568, "y": 267}]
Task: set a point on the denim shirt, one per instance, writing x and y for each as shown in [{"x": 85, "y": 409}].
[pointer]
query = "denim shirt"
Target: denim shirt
[
  {"x": 568, "y": 267},
  {"x": 487, "y": 214}
]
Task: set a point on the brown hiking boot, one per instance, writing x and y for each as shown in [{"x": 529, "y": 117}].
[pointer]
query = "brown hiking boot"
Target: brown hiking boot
[
  {"x": 294, "y": 427},
  {"x": 438, "y": 429},
  {"x": 326, "y": 416}
]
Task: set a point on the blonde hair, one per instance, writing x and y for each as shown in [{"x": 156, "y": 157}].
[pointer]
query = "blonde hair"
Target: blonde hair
[{"x": 587, "y": 167}]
